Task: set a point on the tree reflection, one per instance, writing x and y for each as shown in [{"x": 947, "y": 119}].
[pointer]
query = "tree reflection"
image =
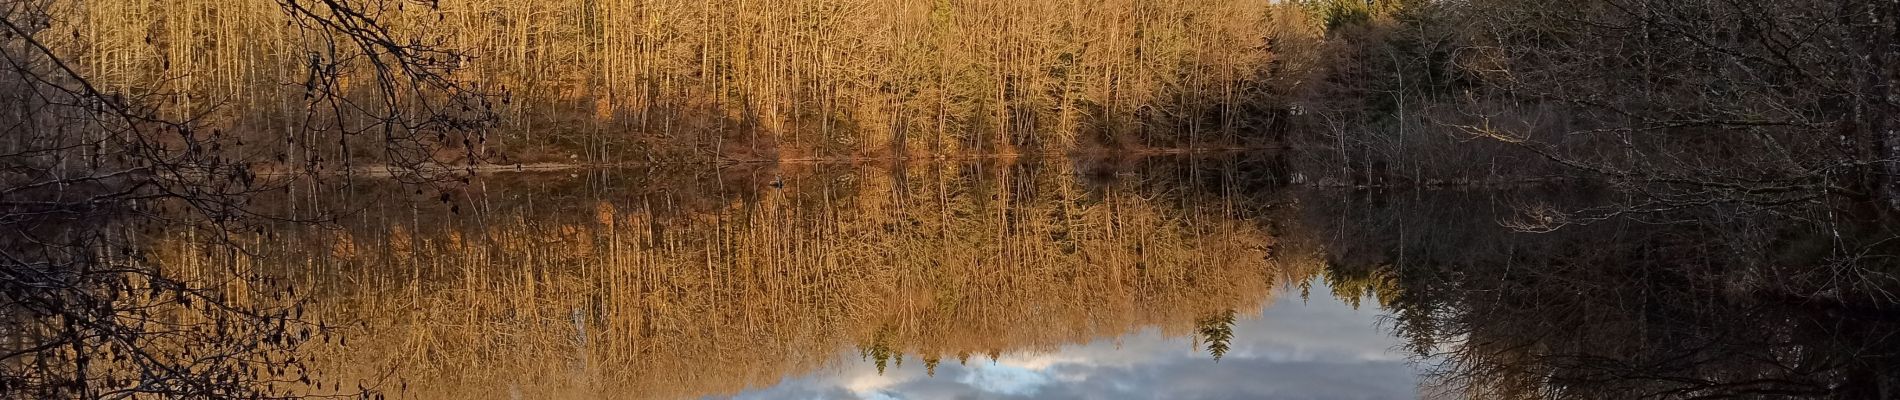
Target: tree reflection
[
  {"x": 1215, "y": 332},
  {"x": 1709, "y": 303},
  {"x": 692, "y": 283},
  {"x": 678, "y": 283}
]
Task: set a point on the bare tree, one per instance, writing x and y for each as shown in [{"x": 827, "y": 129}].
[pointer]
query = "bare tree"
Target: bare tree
[
  {"x": 1764, "y": 104},
  {"x": 85, "y": 169}
]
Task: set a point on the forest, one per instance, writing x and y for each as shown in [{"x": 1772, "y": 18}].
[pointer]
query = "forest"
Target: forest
[
  {"x": 1376, "y": 92},
  {"x": 152, "y": 153},
  {"x": 618, "y": 81}
]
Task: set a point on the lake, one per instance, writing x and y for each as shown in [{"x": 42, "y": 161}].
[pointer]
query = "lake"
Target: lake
[{"x": 1169, "y": 277}]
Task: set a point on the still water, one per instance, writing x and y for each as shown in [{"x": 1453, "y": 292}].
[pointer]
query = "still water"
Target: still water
[
  {"x": 1180, "y": 278},
  {"x": 1294, "y": 349}
]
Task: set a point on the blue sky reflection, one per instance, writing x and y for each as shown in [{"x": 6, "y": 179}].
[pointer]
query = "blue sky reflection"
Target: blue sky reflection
[{"x": 1319, "y": 349}]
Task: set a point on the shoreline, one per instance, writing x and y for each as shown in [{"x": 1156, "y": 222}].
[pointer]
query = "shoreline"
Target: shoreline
[{"x": 386, "y": 171}]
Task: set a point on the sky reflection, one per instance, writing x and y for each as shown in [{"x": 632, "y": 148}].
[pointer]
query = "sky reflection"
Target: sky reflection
[{"x": 1317, "y": 349}]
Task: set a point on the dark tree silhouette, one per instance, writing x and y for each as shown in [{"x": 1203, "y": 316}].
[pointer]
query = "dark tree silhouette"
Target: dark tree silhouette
[{"x": 1215, "y": 332}]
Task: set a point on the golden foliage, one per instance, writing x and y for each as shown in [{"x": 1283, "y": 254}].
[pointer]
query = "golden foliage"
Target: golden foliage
[{"x": 604, "y": 79}]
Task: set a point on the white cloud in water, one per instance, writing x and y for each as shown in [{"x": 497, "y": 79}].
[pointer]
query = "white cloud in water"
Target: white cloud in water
[{"x": 1322, "y": 349}]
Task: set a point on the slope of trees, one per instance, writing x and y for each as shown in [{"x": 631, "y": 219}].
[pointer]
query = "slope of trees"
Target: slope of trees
[
  {"x": 1769, "y": 104},
  {"x": 621, "y": 80}
]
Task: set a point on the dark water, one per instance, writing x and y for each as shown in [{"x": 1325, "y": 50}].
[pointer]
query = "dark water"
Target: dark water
[{"x": 1202, "y": 278}]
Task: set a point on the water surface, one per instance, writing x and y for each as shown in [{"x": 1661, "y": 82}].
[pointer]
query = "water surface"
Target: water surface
[
  {"x": 1298, "y": 348},
  {"x": 902, "y": 282},
  {"x": 1175, "y": 278}
]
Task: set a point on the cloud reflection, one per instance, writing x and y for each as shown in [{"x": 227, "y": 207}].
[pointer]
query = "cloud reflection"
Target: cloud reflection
[{"x": 1322, "y": 349}]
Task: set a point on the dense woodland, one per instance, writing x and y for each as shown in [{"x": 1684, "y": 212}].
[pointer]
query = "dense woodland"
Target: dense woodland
[
  {"x": 1762, "y": 137},
  {"x": 1372, "y": 92},
  {"x": 617, "y": 81},
  {"x": 1386, "y": 92},
  {"x": 1767, "y": 105}
]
